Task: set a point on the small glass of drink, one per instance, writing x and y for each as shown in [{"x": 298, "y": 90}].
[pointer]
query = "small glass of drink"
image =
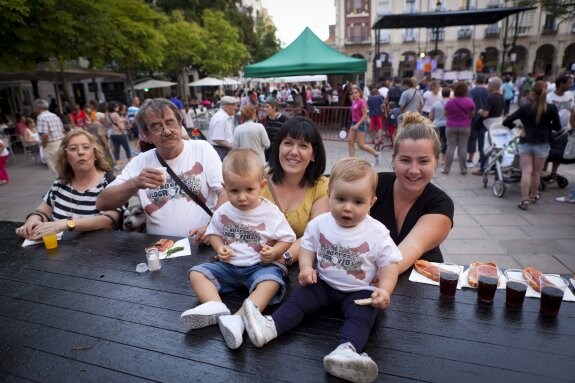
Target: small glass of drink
[
  {"x": 487, "y": 279},
  {"x": 552, "y": 290},
  {"x": 516, "y": 287},
  {"x": 448, "y": 279},
  {"x": 153, "y": 257},
  {"x": 50, "y": 241}
]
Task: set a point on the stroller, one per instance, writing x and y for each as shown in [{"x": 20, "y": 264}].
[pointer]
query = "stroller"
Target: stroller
[
  {"x": 502, "y": 151},
  {"x": 558, "y": 143}
]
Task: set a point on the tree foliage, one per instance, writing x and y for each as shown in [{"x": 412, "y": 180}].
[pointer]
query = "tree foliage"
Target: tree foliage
[{"x": 267, "y": 44}]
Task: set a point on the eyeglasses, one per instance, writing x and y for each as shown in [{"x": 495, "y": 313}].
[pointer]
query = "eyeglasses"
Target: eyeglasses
[
  {"x": 76, "y": 149},
  {"x": 157, "y": 129}
]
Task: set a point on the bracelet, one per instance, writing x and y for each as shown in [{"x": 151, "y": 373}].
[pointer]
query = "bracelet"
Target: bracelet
[
  {"x": 48, "y": 219},
  {"x": 36, "y": 214},
  {"x": 109, "y": 217}
]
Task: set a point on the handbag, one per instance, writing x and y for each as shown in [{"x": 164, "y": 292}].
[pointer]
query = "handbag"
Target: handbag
[
  {"x": 183, "y": 185},
  {"x": 569, "y": 151}
]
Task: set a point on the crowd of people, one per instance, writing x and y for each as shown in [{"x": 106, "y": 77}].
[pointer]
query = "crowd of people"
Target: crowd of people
[{"x": 257, "y": 193}]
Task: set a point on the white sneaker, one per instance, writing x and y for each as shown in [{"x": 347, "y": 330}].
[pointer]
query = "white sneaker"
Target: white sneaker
[
  {"x": 260, "y": 329},
  {"x": 469, "y": 164},
  {"x": 344, "y": 362},
  {"x": 232, "y": 329},
  {"x": 203, "y": 315}
]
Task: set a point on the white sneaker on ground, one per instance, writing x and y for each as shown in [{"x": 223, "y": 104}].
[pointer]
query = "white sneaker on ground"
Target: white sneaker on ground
[
  {"x": 344, "y": 362},
  {"x": 469, "y": 164},
  {"x": 232, "y": 329},
  {"x": 261, "y": 329},
  {"x": 203, "y": 315}
]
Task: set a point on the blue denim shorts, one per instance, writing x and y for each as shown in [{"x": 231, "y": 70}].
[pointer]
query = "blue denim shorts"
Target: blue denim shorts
[
  {"x": 228, "y": 278},
  {"x": 362, "y": 127},
  {"x": 537, "y": 150}
]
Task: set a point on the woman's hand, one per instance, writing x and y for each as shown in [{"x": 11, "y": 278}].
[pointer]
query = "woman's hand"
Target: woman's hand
[
  {"x": 267, "y": 254},
  {"x": 307, "y": 276},
  {"x": 25, "y": 231},
  {"x": 380, "y": 298},
  {"x": 200, "y": 237},
  {"x": 354, "y": 127},
  {"x": 48, "y": 228}
]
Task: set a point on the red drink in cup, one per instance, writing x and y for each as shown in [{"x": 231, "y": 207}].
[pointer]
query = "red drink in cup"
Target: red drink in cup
[
  {"x": 552, "y": 290},
  {"x": 487, "y": 278}
]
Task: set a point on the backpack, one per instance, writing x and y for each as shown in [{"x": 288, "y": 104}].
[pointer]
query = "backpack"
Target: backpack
[{"x": 394, "y": 94}]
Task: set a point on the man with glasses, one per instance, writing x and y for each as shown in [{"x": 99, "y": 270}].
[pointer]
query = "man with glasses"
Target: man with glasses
[
  {"x": 169, "y": 209},
  {"x": 221, "y": 128}
]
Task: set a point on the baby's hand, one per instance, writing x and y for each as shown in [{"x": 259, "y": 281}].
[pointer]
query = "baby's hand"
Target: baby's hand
[
  {"x": 381, "y": 298},
  {"x": 267, "y": 254},
  {"x": 225, "y": 253},
  {"x": 307, "y": 276}
]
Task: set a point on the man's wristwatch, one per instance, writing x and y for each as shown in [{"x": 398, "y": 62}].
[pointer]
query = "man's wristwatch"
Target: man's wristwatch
[
  {"x": 71, "y": 223},
  {"x": 288, "y": 258}
]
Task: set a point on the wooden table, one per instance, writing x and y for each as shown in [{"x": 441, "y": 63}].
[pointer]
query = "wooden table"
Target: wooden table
[{"x": 82, "y": 313}]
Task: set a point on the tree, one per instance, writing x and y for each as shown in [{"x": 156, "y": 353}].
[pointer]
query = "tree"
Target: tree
[
  {"x": 562, "y": 9},
  {"x": 224, "y": 54},
  {"x": 267, "y": 44}
]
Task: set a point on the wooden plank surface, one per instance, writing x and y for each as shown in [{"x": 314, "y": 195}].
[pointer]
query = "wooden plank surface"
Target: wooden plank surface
[{"x": 82, "y": 313}]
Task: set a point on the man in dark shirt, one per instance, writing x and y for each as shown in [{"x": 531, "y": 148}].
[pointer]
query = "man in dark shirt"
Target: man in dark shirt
[
  {"x": 479, "y": 95},
  {"x": 493, "y": 108}
]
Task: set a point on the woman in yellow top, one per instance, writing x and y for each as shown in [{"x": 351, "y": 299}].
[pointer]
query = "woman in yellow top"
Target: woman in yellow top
[{"x": 296, "y": 183}]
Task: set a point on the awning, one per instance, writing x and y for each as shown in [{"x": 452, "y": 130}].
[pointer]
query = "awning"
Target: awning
[
  {"x": 207, "y": 81},
  {"x": 446, "y": 18},
  {"x": 151, "y": 84},
  {"x": 71, "y": 74}
]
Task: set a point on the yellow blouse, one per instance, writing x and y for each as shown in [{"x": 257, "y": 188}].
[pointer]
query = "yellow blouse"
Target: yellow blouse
[{"x": 299, "y": 217}]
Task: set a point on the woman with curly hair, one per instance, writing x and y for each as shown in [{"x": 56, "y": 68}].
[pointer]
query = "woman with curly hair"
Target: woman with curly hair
[{"x": 70, "y": 204}]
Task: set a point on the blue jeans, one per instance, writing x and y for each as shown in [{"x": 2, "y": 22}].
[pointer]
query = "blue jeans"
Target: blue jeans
[
  {"x": 120, "y": 140},
  {"x": 228, "y": 278},
  {"x": 358, "y": 320}
]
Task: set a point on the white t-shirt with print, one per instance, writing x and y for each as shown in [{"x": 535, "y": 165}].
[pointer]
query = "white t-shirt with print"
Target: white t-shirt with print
[
  {"x": 349, "y": 258},
  {"x": 169, "y": 210},
  {"x": 565, "y": 105},
  {"x": 246, "y": 231}
]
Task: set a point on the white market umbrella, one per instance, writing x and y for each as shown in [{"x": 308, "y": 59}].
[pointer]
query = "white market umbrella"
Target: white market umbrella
[
  {"x": 151, "y": 84},
  {"x": 207, "y": 81}
]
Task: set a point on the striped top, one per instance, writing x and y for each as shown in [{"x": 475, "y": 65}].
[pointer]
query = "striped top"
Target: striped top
[{"x": 67, "y": 202}]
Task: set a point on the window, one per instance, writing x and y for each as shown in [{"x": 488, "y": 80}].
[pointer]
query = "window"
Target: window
[
  {"x": 383, "y": 8},
  {"x": 550, "y": 24},
  {"x": 357, "y": 6},
  {"x": 410, "y": 6},
  {"x": 409, "y": 34},
  {"x": 524, "y": 21}
]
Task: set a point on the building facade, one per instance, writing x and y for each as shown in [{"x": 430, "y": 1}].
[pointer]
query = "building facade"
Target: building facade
[{"x": 533, "y": 41}]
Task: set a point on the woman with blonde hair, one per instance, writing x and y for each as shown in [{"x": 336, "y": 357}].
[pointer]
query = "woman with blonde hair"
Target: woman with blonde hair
[
  {"x": 538, "y": 119},
  {"x": 418, "y": 215},
  {"x": 430, "y": 97},
  {"x": 70, "y": 204}
]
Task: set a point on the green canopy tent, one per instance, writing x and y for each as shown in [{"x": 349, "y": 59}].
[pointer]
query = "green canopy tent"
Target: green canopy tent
[{"x": 305, "y": 56}]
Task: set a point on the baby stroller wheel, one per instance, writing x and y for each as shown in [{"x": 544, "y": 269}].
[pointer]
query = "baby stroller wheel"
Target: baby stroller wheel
[
  {"x": 562, "y": 182},
  {"x": 499, "y": 189}
]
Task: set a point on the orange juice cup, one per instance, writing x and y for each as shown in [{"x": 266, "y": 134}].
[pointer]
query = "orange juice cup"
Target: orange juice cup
[{"x": 50, "y": 241}]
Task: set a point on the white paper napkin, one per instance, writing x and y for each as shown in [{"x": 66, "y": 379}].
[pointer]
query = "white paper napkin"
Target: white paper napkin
[
  {"x": 185, "y": 243},
  {"x": 573, "y": 281},
  {"x": 28, "y": 242},
  {"x": 419, "y": 278},
  {"x": 464, "y": 279},
  {"x": 568, "y": 296}
]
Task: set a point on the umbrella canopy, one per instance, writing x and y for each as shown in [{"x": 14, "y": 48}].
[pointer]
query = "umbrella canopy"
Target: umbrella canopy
[
  {"x": 446, "y": 18},
  {"x": 306, "y": 55},
  {"x": 151, "y": 84},
  {"x": 208, "y": 81},
  {"x": 71, "y": 74}
]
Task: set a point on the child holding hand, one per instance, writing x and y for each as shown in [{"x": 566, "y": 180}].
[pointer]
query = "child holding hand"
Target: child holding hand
[
  {"x": 350, "y": 248},
  {"x": 249, "y": 234}
]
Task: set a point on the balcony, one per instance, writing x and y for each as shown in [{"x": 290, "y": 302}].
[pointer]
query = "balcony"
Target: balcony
[
  {"x": 439, "y": 35},
  {"x": 491, "y": 32},
  {"x": 549, "y": 30},
  {"x": 384, "y": 38},
  {"x": 464, "y": 34},
  {"x": 354, "y": 40},
  {"x": 522, "y": 30},
  {"x": 408, "y": 38}
]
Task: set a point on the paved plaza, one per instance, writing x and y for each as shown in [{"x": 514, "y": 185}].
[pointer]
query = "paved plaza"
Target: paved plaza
[{"x": 486, "y": 228}]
